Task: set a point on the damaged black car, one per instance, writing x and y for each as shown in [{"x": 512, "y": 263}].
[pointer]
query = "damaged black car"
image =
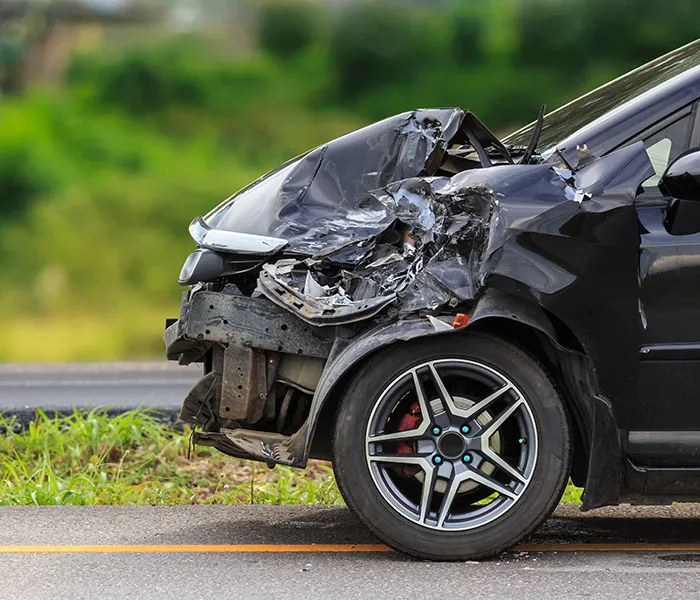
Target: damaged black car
[{"x": 462, "y": 323}]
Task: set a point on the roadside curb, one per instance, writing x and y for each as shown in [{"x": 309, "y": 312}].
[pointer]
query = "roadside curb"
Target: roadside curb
[{"x": 24, "y": 416}]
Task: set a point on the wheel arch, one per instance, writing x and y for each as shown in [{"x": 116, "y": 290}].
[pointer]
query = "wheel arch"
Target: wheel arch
[
  {"x": 516, "y": 320},
  {"x": 551, "y": 354},
  {"x": 598, "y": 459}
]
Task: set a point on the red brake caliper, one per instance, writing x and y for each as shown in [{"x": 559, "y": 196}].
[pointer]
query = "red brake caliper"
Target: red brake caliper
[{"x": 411, "y": 420}]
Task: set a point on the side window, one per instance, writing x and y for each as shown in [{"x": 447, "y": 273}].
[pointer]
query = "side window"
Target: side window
[{"x": 663, "y": 146}]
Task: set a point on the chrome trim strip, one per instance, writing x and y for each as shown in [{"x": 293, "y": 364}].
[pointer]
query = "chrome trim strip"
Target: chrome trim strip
[{"x": 677, "y": 351}]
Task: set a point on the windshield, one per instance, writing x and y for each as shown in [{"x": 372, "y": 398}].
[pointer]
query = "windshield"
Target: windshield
[{"x": 574, "y": 116}]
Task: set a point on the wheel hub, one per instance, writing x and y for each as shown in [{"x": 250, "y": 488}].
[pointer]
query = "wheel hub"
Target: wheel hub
[
  {"x": 440, "y": 485},
  {"x": 451, "y": 445}
]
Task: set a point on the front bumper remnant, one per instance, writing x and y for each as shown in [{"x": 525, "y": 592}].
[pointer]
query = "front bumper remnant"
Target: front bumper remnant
[
  {"x": 241, "y": 342},
  {"x": 208, "y": 318}
]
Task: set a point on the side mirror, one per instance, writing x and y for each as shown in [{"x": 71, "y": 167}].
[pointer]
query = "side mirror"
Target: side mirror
[{"x": 682, "y": 177}]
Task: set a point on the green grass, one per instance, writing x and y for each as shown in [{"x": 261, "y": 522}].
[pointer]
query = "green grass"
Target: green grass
[
  {"x": 572, "y": 494},
  {"x": 93, "y": 459}
]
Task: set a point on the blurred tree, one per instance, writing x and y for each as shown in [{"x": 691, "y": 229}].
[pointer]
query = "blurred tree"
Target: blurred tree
[
  {"x": 467, "y": 45},
  {"x": 287, "y": 27},
  {"x": 573, "y": 36},
  {"x": 23, "y": 178},
  {"x": 553, "y": 35},
  {"x": 501, "y": 35},
  {"x": 147, "y": 80},
  {"x": 51, "y": 29},
  {"x": 376, "y": 44},
  {"x": 631, "y": 32}
]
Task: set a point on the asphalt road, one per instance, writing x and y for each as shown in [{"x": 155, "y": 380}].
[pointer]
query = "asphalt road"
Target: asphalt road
[
  {"x": 161, "y": 384},
  {"x": 293, "y": 552},
  {"x": 301, "y": 552}
]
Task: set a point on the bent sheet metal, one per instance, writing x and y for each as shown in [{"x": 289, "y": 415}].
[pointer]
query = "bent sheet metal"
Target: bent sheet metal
[{"x": 380, "y": 236}]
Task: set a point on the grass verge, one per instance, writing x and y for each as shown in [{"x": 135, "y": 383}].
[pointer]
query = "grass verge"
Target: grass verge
[{"x": 133, "y": 458}]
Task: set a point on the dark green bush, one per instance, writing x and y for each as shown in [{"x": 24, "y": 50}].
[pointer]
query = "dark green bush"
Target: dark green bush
[
  {"x": 149, "y": 79},
  {"x": 378, "y": 44},
  {"x": 287, "y": 27},
  {"x": 30, "y": 167},
  {"x": 573, "y": 35},
  {"x": 22, "y": 180},
  {"x": 467, "y": 46}
]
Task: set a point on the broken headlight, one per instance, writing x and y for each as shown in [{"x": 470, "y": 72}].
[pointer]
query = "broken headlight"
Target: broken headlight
[
  {"x": 202, "y": 265},
  {"x": 205, "y": 265}
]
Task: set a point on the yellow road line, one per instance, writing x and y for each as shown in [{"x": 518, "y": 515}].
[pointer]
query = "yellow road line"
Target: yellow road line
[{"x": 295, "y": 548}]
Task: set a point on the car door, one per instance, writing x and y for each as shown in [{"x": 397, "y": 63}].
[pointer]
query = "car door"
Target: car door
[{"x": 664, "y": 429}]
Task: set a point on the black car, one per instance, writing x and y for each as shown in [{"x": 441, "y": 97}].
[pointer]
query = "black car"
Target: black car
[{"x": 462, "y": 323}]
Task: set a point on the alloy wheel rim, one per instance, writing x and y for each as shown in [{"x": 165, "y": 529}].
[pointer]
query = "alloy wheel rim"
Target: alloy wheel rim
[{"x": 445, "y": 472}]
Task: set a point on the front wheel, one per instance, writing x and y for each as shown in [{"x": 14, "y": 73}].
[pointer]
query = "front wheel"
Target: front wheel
[{"x": 452, "y": 448}]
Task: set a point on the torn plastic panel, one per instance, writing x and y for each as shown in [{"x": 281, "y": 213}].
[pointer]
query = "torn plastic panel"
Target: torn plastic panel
[
  {"x": 444, "y": 236},
  {"x": 312, "y": 302}
]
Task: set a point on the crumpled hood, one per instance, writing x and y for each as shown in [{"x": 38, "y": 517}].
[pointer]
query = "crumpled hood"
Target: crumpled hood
[
  {"x": 386, "y": 216},
  {"x": 320, "y": 201}
]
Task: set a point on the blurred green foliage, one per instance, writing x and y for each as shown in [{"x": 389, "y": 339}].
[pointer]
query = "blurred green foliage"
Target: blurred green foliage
[
  {"x": 99, "y": 180},
  {"x": 285, "y": 29},
  {"x": 374, "y": 46}
]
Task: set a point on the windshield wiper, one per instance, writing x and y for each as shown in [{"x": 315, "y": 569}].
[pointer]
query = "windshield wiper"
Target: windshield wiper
[{"x": 534, "y": 140}]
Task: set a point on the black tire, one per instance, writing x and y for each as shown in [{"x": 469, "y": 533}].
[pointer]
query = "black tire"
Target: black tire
[{"x": 548, "y": 476}]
